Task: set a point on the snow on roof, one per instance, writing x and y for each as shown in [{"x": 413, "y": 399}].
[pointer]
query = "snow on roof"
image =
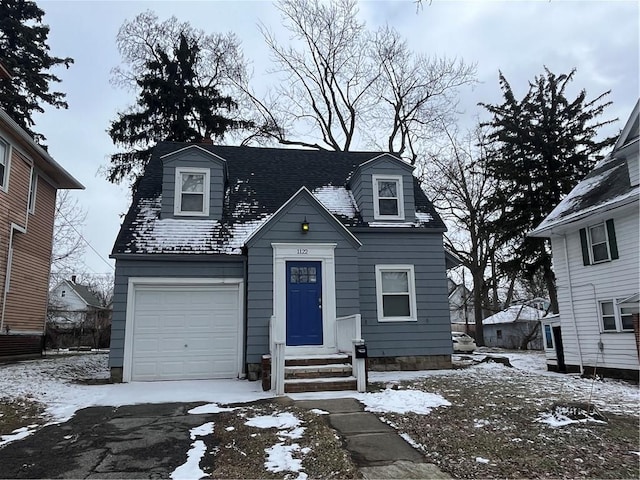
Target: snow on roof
[
  {"x": 576, "y": 197},
  {"x": 177, "y": 235},
  {"x": 519, "y": 312},
  {"x": 338, "y": 200}
]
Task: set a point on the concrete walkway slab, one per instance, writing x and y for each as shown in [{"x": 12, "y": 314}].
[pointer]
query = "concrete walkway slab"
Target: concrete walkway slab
[
  {"x": 379, "y": 448},
  {"x": 404, "y": 469},
  {"x": 375, "y": 447},
  {"x": 358, "y": 422}
]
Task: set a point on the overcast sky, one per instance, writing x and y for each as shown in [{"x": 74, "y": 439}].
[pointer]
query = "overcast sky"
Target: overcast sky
[{"x": 599, "y": 38}]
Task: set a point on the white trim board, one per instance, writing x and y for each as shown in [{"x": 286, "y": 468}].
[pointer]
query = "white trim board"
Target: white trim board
[{"x": 318, "y": 252}]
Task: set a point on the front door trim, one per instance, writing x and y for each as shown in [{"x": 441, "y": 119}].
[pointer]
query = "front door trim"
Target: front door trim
[{"x": 320, "y": 252}]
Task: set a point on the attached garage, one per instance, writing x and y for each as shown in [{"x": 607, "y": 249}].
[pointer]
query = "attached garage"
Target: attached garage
[{"x": 183, "y": 330}]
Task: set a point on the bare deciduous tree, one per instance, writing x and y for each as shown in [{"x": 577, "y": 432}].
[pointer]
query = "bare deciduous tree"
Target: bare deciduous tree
[
  {"x": 460, "y": 189},
  {"x": 342, "y": 85},
  {"x": 68, "y": 245}
]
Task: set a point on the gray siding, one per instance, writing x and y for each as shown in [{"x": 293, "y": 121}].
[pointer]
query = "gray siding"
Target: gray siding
[
  {"x": 362, "y": 187},
  {"x": 260, "y": 268},
  {"x": 431, "y": 334},
  {"x": 158, "y": 268},
  {"x": 197, "y": 159}
]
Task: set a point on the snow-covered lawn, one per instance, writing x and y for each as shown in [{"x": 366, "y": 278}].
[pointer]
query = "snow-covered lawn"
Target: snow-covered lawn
[{"x": 53, "y": 382}]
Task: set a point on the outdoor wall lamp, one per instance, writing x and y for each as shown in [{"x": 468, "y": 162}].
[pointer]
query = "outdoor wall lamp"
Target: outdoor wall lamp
[{"x": 304, "y": 226}]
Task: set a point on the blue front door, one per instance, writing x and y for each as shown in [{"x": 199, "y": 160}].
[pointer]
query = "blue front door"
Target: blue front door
[{"x": 304, "y": 303}]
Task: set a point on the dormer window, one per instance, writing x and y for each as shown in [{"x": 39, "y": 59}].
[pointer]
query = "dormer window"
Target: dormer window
[
  {"x": 192, "y": 192},
  {"x": 388, "y": 198}
]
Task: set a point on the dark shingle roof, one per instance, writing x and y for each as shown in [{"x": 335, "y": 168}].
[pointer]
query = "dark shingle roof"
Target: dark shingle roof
[
  {"x": 260, "y": 181},
  {"x": 86, "y": 294}
]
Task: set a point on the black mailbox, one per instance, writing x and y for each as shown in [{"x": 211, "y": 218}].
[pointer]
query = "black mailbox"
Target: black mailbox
[{"x": 361, "y": 351}]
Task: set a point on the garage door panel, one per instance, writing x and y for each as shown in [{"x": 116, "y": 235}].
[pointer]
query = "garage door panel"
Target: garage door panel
[{"x": 185, "y": 332}]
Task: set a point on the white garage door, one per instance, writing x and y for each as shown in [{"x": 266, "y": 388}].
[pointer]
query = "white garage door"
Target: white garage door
[{"x": 185, "y": 332}]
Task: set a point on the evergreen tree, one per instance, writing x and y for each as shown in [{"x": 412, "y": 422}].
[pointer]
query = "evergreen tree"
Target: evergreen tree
[
  {"x": 25, "y": 53},
  {"x": 544, "y": 145},
  {"x": 179, "y": 94}
]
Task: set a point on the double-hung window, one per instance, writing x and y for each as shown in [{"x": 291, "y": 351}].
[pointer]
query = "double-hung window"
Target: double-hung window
[
  {"x": 32, "y": 191},
  {"x": 396, "y": 295},
  {"x": 387, "y": 197},
  {"x": 4, "y": 163},
  {"x": 192, "y": 192},
  {"x": 599, "y": 243},
  {"x": 615, "y": 318}
]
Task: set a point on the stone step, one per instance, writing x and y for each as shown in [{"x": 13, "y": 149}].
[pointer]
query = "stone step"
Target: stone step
[
  {"x": 318, "y": 371},
  {"x": 320, "y": 385},
  {"x": 305, "y": 360}
]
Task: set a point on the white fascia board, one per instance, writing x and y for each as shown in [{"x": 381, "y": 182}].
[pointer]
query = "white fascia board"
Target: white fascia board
[
  {"x": 390, "y": 157},
  {"x": 627, "y": 127},
  {"x": 293, "y": 197},
  {"x": 586, "y": 216},
  {"x": 189, "y": 147}
]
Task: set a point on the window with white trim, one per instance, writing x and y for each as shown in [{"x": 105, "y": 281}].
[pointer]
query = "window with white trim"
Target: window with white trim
[
  {"x": 599, "y": 243},
  {"x": 396, "y": 293},
  {"x": 388, "y": 200},
  {"x": 614, "y": 318},
  {"x": 4, "y": 163},
  {"x": 548, "y": 337},
  {"x": 32, "y": 191},
  {"x": 192, "y": 192}
]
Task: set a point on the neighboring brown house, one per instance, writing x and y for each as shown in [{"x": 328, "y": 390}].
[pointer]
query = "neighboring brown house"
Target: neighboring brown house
[{"x": 29, "y": 179}]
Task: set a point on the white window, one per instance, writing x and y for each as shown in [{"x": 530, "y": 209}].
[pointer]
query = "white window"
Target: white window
[
  {"x": 32, "y": 191},
  {"x": 396, "y": 294},
  {"x": 4, "y": 163},
  {"x": 388, "y": 201},
  {"x": 192, "y": 192},
  {"x": 599, "y": 243},
  {"x": 614, "y": 318}
]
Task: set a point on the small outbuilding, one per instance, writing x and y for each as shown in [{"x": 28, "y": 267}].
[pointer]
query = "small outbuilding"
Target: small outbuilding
[{"x": 517, "y": 327}]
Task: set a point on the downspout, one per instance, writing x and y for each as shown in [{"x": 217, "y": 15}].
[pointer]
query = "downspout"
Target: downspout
[{"x": 571, "y": 307}]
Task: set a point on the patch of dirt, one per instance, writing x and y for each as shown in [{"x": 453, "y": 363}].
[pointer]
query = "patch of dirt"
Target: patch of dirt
[
  {"x": 495, "y": 429},
  {"x": 18, "y": 412},
  {"x": 237, "y": 450}
]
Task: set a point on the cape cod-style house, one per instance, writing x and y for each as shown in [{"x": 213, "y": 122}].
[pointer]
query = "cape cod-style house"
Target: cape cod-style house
[{"x": 237, "y": 261}]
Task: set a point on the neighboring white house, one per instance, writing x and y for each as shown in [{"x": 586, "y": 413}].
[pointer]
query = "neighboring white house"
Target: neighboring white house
[
  {"x": 72, "y": 304},
  {"x": 461, "y": 307},
  {"x": 517, "y": 327},
  {"x": 594, "y": 235}
]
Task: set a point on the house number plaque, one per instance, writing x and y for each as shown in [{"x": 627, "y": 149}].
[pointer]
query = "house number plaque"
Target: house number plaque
[{"x": 303, "y": 251}]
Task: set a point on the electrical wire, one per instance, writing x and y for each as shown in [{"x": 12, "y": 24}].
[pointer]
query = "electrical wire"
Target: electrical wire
[{"x": 84, "y": 239}]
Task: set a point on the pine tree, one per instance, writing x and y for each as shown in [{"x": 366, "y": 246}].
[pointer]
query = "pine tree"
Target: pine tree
[
  {"x": 25, "y": 53},
  {"x": 174, "y": 104},
  {"x": 544, "y": 145}
]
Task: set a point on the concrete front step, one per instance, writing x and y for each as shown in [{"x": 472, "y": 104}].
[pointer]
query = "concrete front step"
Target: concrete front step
[
  {"x": 318, "y": 371},
  {"x": 320, "y": 384}
]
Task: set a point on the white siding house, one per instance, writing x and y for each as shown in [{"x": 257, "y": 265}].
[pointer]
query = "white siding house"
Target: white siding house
[{"x": 594, "y": 236}]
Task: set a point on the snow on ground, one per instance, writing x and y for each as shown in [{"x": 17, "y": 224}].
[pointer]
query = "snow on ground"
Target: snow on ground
[
  {"x": 280, "y": 457},
  {"x": 191, "y": 468}
]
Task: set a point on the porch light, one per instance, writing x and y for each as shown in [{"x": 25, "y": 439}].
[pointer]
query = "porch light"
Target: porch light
[{"x": 304, "y": 226}]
